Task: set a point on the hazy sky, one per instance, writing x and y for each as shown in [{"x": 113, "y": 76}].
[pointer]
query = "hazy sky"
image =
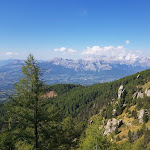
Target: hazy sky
[{"x": 74, "y": 28}]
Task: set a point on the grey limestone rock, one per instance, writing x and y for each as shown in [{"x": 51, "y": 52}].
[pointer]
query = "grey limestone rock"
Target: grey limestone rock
[
  {"x": 111, "y": 125},
  {"x": 138, "y": 95},
  {"x": 138, "y": 76},
  {"x": 135, "y": 136},
  {"x": 147, "y": 92},
  {"x": 114, "y": 112},
  {"x": 120, "y": 91},
  {"x": 142, "y": 111}
]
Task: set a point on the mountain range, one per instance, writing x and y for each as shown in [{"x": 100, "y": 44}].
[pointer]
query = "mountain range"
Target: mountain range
[{"x": 85, "y": 71}]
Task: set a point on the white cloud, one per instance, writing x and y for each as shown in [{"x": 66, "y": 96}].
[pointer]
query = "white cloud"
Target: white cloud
[
  {"x": 118, "y": 53},
  {"x": 71, "y": 51},
  {"x": 10, "y": 53},
  {"x": 56, "y": 50},
  {"x": 104, "y": 51},
  {"x": 131, "y": 56},
  {"x": 127, "y": 42},
  {"x": 62, "y": 49}
]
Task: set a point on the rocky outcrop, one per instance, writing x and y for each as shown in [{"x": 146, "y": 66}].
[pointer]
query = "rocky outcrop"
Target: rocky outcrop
[
  {"x": 135, "y": 136},
  {"x": 142, "y": 111},
  {"x": 120, "y": 91},
  {"x": 111, "y": 125},
  {"x": 147, "y": 92},
  {"x": 138, "y": 76},
  {"x": 138, "y": 95},
  {"x": 114, "y": 112},
  {"x": 91, "y": 121},
  {"x": 49, "y": 94}
]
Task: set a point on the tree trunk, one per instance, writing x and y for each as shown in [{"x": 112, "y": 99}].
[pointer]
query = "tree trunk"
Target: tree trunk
[{"x": 36, "y": 126}]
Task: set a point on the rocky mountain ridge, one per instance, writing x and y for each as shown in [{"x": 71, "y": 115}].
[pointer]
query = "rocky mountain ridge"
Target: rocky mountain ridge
[
  {"x": 99, "y": 64},
  {"x": 84, "y": 71}
]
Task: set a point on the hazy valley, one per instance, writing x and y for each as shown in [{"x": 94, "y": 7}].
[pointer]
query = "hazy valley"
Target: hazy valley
[{"x": 84, "y": 71}]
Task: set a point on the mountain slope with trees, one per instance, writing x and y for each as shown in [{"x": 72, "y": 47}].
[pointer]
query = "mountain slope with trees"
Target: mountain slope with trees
[{"x": 77, "y": 117}]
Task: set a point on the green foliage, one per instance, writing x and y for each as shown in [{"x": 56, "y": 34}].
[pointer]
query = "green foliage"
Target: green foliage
[
  {"x": 139, "y": 104},
  {"x": 118, "y": 138},
  {"x": 139, "y": 145},
  {"x": 57, "y": 123},
  {"x": 134, "y": 114},
  {"x": 146, "y": 103},
  {"x": 124, "y": 146},
  {"x": 23, "y": 145},
  {"x": 145, "y": 118},
  {"x": 93, "y": 138},
  {"x": 33, "y": 122},
  {"x": 116, "y": 130},
  {"x": 84, "y": 102},
  {"x": 61, "y": 88},
  {"x": 147, "y": 137},
  {"x": 71, "y": 132},
  {"x": 6, "y": 140},
  {"x": 25, "y": 109},
  {"x": 130, "y": 136},
  {"x": 109, "y": 111},
  {"x": 119, "y": 109}
]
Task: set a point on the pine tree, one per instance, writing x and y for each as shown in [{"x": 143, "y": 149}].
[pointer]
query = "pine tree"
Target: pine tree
[
  {"x": 34, "y": 123},
  {"x": 116, "y": 130},
  {"x": 25, "y": 107},
  {"x": 130, "y": 136},
  {"x": 145, "y": 118}
]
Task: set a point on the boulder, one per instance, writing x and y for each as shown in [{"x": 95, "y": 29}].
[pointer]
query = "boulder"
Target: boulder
[
  {"x": 91, "y": 121},
  {"x": 114, "y": 112},
  {"x": 138, "y": 76},
  {"x": 142, "y": 111},
  {"x": 135, "y": 136},
  {"x": 101, "y": 127},
  {"x": 138, "y": 95},
  {"x": 147, "y": 92},
  {"x": 120, "y": 91},
  {"x": 124, "y": 105},
  {"x": 111, "y": 125}
]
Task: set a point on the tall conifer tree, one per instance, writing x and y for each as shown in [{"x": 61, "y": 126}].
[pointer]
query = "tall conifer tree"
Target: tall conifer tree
[{"x": 26, "y": 104}]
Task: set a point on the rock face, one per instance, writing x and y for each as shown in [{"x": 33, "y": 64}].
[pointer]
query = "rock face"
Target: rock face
[
  {"x": 141, "y": 116},
  {"x": 111, "y": 125},
  {"x": 147, "y": 92},
  {"x": 114, "y": 112},
  {"x": 138, "y": 95},
  {"x": 91, "y": 122},
  {"x": 120, "y": 91},
  {"x": 135, "y": 136},
  {"x": 138, "y": 76},
  {"x": 49, "y": 94}
]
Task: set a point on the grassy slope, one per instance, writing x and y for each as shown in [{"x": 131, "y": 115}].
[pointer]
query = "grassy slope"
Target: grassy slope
[
  {"x": 87, "y": 101},
  {"x": 129, "y": 122}
]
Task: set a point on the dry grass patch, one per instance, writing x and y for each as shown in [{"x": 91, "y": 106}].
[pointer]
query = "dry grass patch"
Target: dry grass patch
[{"x": 49, "y": 94}]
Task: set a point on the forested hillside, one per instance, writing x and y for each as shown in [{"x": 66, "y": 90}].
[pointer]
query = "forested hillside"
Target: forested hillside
[
  {"x": 113, "y": 115},
  {"x": 83, "y": 102}
]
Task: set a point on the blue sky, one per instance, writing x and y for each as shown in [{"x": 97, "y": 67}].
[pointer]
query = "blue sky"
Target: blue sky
[{"x": 73, "y": 28}]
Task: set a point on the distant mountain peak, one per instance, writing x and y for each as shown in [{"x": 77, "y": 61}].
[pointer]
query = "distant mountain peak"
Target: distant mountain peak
[{"x": 101, "y": 63}]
